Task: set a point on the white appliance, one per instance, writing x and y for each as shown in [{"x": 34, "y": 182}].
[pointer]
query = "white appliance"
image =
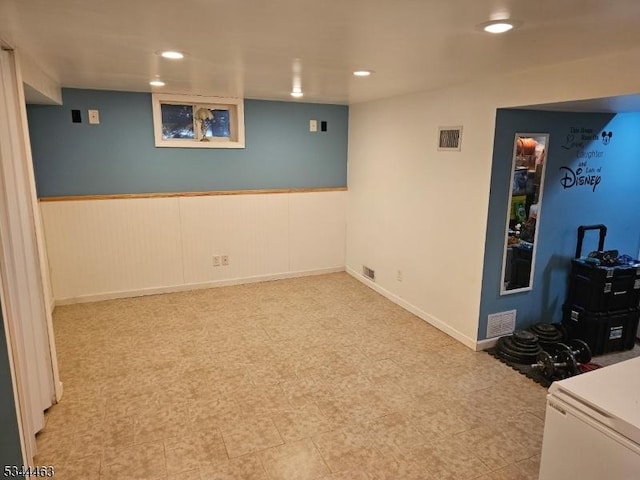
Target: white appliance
[{"x": 592, "y": 426}]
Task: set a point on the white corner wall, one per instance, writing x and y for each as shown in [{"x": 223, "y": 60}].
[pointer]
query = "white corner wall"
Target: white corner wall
[
  {"x": 411, "y": 208},
  {"x": 39, "y": 86},
  {"x": 101, "y": 249},
  {"x": 423, "y": 212}
]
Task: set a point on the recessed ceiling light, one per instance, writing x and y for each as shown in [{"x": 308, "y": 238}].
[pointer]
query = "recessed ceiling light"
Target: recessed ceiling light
[
  {"x": 499, "y": 26},
  {"x": 172, "y": 54},
  {"x": 297, "y": 94},
  {"x": 157, "y": 83},
  {"x": 362, "y": 73}
]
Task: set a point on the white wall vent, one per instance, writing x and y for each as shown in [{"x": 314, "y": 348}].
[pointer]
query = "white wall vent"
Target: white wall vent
[
  {"x": 369, "y": 273},
  {"x": 500, "y": 324},
  {"x": 450, "y": 138}
]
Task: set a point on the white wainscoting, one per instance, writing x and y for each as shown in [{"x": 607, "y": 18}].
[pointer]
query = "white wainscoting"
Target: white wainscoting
[{"x": 110, "y": 248}]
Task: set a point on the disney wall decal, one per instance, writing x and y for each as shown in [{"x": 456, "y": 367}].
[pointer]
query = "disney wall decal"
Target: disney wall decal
[{"x": 584, "y": 141}]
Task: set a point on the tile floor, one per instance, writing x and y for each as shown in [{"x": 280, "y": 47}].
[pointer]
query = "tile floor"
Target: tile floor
[{"x": 309, "y": 378}]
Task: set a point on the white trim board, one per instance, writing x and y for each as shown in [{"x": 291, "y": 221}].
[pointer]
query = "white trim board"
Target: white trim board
[
  {"x": 194, "y": 286},
  {"x": 23, "y": 294},
  {"x": 430, "y": 319},
  {"x": 486, "y": 344}
]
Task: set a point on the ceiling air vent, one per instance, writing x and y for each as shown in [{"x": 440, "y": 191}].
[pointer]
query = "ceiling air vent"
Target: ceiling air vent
[
  {"x": 369, "y": 273},
  {"x": 449, "y": 138}
]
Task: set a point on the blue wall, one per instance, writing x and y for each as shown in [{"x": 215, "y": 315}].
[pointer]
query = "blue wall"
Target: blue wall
[
  {"x": 615, "y": 202},
  {"x": 119, "y": 156},
  {"x": 10, "y": 453}
]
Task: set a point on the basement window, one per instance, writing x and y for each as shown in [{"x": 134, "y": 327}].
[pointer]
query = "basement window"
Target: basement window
[{"x": 188, "y": 121}]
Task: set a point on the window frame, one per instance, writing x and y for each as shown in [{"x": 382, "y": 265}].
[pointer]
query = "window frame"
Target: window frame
[{"x": 235, "y": 106}]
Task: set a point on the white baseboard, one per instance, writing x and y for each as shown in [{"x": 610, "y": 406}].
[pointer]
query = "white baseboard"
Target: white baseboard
[
  {"x": 193, "y": 286},
  {"x": 485, "y": 344},
  {"x": 59, "y": 392},
  {"x": 430, "y": 319}
]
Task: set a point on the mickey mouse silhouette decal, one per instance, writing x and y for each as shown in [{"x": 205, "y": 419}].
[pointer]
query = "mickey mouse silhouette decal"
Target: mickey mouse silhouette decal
[{"x": 606, "y": 137}]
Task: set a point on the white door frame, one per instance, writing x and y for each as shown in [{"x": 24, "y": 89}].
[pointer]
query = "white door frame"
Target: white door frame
[
  {"x": 23, "y": 275},
  {"x": 36, "y": 217}
]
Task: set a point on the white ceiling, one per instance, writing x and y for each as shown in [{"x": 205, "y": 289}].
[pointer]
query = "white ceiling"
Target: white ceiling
[
  {"x": 249, "y": 47},
  {"x": 621, "y": 104}
]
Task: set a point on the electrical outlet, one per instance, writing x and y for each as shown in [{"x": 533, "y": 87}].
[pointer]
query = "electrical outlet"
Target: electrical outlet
[
  {"x": 399, "y": 275},
  {"x": 225, "y": 260},
  {"x": 216, "y": 260}
]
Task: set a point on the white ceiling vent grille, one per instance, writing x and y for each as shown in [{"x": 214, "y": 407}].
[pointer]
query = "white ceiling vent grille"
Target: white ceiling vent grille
[
  {"x": 449, "y": 138},
  {"x": 369, "y": 273}
]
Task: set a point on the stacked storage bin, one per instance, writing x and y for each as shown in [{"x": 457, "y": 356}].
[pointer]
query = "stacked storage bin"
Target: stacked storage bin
[{"x": 603, "y": 306}]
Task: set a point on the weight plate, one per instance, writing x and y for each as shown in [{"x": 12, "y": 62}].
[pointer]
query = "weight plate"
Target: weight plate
[
  {"x": 516, "y": 353},
  {"x": 548, "y": 333},
  {"x": 546, "y": 364},
  {"x": 516, "y": 347},
  {"x": 510, "y": 358},
  {"x": 524, "y": 337},
  {"x": 581, "y": 350},
  {"x": 563, "y": 347},
  {"x": 571, "y": 366},
  {"x": 545, "y": 327}
]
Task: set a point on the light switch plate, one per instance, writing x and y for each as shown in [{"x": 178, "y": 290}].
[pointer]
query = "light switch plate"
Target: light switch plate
[
  {"x": 94, "y": 117},
  {"x": 313, "y": 125}
]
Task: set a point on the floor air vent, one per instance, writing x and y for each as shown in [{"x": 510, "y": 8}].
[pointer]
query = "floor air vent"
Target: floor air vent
[
  {"x": 369, "y": 273},
  {"x": 449, "y": 138}
]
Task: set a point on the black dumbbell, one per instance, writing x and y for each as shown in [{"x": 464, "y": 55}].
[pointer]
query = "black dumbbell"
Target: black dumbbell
[{"x": 566, "y": 361}]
